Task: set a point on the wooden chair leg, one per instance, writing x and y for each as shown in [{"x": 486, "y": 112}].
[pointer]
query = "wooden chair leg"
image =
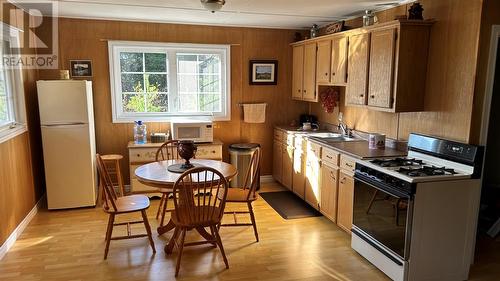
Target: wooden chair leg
[
  {"x": 159, "y": 206},
  {"x": 109, "y": 233},
  {"x": 170, "y": 246},
  {"x": 219, "y": 243},
  {"x": 181, "y": 248},
  {"x": 165, "y": 203},
  {"x": 254, "y": 224},
  {"x": 148, "y": 230}
]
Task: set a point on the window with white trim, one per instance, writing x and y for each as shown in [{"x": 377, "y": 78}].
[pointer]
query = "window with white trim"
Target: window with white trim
[
  {"x": 12, "y": 111},
  {"x": 158, "y": 81}
]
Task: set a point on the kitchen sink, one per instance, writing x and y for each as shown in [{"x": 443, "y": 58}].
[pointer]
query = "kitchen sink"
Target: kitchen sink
[{"x": 325, "y": 135}]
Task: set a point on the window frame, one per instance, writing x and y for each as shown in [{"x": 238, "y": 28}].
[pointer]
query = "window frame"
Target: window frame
[
  {"x": 14, "y": 85},
  {"x": 171, "y": 49}
]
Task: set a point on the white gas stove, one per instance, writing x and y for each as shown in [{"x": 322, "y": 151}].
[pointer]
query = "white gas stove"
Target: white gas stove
[{"x": 411, "y": 214}]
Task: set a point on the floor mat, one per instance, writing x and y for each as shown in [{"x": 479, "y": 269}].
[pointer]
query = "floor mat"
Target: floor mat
[{"x": 289, "y": 205}]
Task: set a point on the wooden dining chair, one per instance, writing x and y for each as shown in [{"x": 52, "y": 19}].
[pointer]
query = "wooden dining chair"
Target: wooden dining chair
[
  {"x": 115, "y": 205},
  {"x": 199, "y": 197},
  {"x": 246, "y": 194},
  {"x": 167, "y": 151}
]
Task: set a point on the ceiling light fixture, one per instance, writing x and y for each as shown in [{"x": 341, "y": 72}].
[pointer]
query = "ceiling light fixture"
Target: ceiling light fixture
[{"x": 213, "y": 5}]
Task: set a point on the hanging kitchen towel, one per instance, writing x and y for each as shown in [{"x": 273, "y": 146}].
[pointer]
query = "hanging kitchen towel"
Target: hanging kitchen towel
[{"x": 254, "y": 112}]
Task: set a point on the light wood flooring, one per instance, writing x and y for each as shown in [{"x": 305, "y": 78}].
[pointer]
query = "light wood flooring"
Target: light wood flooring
[{"x": 68, "y": 245}]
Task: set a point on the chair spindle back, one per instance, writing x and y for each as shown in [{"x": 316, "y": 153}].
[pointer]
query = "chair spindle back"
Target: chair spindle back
[
  {"x": 252, "y": 174},
  {"x": 196, "y": 192},
  {"x": 168, "y": 151},
  {"x": 109, "y": 191}
]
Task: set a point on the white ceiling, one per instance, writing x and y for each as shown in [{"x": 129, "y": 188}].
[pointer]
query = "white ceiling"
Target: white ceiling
[{"x": 293, "y": 14}]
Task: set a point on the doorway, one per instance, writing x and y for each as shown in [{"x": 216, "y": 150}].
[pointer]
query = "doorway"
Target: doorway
[{"x": 490, "y": 137}]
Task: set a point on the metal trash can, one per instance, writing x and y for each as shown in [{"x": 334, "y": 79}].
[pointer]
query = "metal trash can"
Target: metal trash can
[{"x": 240, "y": 155}]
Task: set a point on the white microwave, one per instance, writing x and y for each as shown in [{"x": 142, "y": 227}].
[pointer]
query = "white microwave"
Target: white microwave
[{"x": 196, "y": 130}]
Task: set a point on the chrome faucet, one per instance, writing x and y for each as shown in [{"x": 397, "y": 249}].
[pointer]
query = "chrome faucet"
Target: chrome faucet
[{"x": 343, "y": 127}]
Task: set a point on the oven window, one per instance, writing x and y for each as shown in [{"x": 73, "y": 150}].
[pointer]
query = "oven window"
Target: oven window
[
  {"x": 189, "y": 132},
  {"x": 381, "y": 215}
]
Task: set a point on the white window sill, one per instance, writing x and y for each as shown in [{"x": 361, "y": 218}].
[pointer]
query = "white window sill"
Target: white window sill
[{"x": 11, "y": 133}]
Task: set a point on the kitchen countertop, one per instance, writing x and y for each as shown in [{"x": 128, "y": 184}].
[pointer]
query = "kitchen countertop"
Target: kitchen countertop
[{"x": 357, "y": 149}]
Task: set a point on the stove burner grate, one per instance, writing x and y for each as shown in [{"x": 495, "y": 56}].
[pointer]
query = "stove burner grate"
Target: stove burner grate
[
  {"x": 426, "y": 171},
  {"x": 397, "y": 162}
]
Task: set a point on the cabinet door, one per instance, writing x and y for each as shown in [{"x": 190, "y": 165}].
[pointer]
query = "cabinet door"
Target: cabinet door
[
  {"x": 339, "y": 60},
  {"x": 345, "y": 201},
  {"x": 298, "y": 180},
  {"x": 277, "y": 161},
  {"x": 323, "y": 61},
  {"x": 297, "y": 71},
  {"x": 380, "y": 82},
  {"x": 287, "y": 166},
  {"x": 312, "y": 185},
  {"x": 309, "y": 86},
  {"x": 357, "y": 78},
  {"x": 328, "y": 191}
]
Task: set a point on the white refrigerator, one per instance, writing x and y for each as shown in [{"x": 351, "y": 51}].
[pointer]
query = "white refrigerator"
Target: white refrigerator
[{"x": 68, "y": 138}]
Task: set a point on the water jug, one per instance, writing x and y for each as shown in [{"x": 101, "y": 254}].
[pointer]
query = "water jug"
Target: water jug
[{"x": 140, "y": 132}]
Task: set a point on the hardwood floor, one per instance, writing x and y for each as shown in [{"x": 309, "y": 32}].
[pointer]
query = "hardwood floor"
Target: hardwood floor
[{"x": 68, "y": 245}]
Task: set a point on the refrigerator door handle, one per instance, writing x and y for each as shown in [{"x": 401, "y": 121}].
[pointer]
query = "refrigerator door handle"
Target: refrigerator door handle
[{"x": 80, "y": 124}]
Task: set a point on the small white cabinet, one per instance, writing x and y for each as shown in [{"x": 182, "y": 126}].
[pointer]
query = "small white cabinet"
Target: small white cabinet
[{"x": 140, "y": 154}]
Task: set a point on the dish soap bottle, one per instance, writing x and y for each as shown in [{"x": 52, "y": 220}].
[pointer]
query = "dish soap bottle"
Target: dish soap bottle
[{"x": 140, "y": 132}]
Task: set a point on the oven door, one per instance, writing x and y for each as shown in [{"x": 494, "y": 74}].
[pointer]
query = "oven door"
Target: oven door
[
  {"x": 189, "y": 132},
  {"x": 382, "y": 214}
]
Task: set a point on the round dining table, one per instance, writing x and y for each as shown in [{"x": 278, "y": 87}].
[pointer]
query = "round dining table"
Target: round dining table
[{"x": 157, "y": 175}]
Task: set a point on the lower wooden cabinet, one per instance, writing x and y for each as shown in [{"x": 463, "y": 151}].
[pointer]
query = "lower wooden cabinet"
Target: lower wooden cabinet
[
  {"x": 298, "y": 180},
  {"x": 328, "y": 191},
  {"x": 312, "y": 181},
  {"x": 287, "y": 157},
  {"x": 345, "y": 201},
  {"x": 278, "y": 161}
]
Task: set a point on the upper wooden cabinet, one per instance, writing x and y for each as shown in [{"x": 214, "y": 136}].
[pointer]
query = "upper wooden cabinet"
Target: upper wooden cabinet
[
  {"x": 304, "y": 72},
  {"x": 309, "y": 89},
  {"x": 323, "y": 61},
  {"x": 331, "y": 61},
  {"x": 297, "y": 71},
  {"x": 395, "y": 65},
  {"x": 339, "y": 60},
  {"x": 382, "y": 51},
  {"x": 357, "y": 79},
  {"x": 384, "y": 66}
]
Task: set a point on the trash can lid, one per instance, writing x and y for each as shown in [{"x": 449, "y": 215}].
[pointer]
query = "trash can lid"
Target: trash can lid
[{"x": 244, "y": 146}]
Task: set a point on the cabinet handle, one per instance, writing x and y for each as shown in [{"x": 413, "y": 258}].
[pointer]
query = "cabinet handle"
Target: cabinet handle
[
  {"x": 333, "y": 73},
  {"x": 361, "y": 96},
  {"x": 304, "y": 91},
  {"x": 342, "y": 181},
  {"x": 348, "y": 165},
  {"x": 326, "y": 74},
  {"x": 329, "y": 157},
  {"x": 213, "y": 151},
  {"x": 298, "y": 90},
  {"x": 372, "y": 96}
]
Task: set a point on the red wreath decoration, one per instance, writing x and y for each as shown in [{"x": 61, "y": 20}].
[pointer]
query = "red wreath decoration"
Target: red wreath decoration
[{"x": 329, "y": 98}]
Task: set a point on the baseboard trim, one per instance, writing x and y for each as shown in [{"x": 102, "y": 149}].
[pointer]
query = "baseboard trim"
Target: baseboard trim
[
  {"x": 266, "y": 179},
  {"x": 20, "y": 228}
]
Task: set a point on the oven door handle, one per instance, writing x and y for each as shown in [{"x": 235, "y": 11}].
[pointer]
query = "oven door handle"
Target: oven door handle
[{"x": 387, "y": 189}]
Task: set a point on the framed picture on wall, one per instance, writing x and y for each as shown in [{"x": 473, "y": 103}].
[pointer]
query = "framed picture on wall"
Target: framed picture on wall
[
  {"x": 263, "y": 72},
  {"x": 80, "y": 68}
]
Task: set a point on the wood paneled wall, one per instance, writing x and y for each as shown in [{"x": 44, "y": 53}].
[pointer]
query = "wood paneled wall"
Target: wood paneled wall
[
  {"x": 87, "y": 39},
  {"x": 21, "y": 165},
  {"x": 451, "y": 73}
]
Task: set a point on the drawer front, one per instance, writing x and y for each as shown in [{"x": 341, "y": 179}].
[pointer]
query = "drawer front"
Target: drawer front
[
  {"x": 299, "y": 143},
  {"x": 209, "y": 152},
  {"x": 331, "y": 156},
  {"x": 278, "y": 135},
  {"x": 142, "y": 155},
  {"x": 314, "y": 148},
  {"x": 347, "y": 163}
]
